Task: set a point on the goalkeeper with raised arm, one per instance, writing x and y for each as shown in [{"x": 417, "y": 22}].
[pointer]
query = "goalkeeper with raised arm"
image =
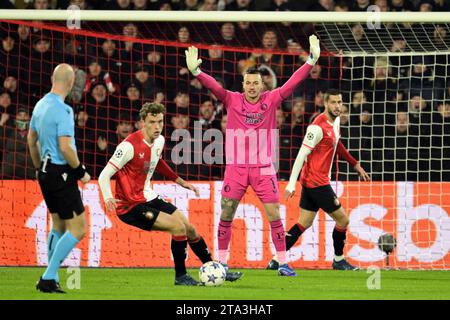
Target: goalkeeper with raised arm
[
  {"x": 252, "y": 114},
  {"x": 316, "y": 155}
]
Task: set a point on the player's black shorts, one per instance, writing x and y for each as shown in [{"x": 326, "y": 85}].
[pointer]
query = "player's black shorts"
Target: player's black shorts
[
  {"x": 60, "y": 190},
  {"x": 321, "y": 197},
  {"x": 137, "y": 216}
]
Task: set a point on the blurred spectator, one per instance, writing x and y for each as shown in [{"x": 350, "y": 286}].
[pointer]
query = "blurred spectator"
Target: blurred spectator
[
  {"x": 401, "y": 5},
  {"x": 426, "y": 5},
  {"x": 269, "y": 42},
  {"x": 146, "y": 85},
  {"x": 341, "y": 6},
  {"x": 130, "y": 50},
  {"x": 8, "y": 55},
  {"x": 190, "y": 5},
  {"x": 140, "y": 4},
  {"x": 441, "y": 5},
  {"x": 6, "y": 5},
  {"x": 269, "y": 77},
  {"x": 40, "y": 5},
  {"x": 228, "y": 34},
  {"x": 131, "y": 97},
  {"x": 208, "y": 5},
  {"x": 110, "y": 58},
  {"x": 82, "y": 4},
  {"x": 10, "y": 85},
  {"x": 165, "y": 5},
  {"x": 383, "y": 86},
  {"x": 361, "y": 5},
  {"x": 79, "y": 85},
  {"x": 23, "y": 32},
  {"x": 118, "y": 5},
  {"x": 279, "y": 5},
  {"x": 240, "y": 5},
  {"x": 17, "y": 162},
  {"x": 322, "y": 5},
  {"x": 208, "y": 116},
  {"x": 382, "y": 5},
  {"x": 418, "y": 109},
  {"x": 96, "y": 75},
  {"x": 344, "y": 116},
  {"x": 85, "y": 137},
  {"x": 6, "y": 108}
]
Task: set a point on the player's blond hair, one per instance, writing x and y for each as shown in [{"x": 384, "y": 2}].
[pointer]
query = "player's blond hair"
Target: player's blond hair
[{"x": 153, "y": 108}]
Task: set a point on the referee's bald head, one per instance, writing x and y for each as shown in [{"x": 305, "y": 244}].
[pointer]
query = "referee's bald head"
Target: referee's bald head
[{"x": 63, "y": 77}]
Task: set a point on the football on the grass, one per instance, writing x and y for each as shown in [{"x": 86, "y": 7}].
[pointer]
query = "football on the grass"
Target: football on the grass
[{"x": 212, "y": 274}]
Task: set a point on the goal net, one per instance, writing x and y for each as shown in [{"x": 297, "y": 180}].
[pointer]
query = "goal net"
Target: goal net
[{"x": 395, "y": 83}]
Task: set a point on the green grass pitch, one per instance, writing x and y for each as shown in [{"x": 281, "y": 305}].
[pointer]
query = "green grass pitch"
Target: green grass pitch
[{"x": 157, "y": 284}]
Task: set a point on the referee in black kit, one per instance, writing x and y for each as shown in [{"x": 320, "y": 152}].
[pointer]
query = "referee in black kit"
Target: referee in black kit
[{"x": 51, "y": 141}]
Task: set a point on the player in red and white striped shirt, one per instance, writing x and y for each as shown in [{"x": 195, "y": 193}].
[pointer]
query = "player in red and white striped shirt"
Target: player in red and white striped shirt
[
  {"x": 320, "y": 144},
  {"x": 137, "y": 204}
]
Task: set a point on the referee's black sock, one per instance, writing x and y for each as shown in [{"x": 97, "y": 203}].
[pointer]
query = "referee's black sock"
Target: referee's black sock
[
  {"x": 293, "y": 234},
  {"x": 179, "y": 246},
  {"x": 339, "y": 236},
  {"x": 198, "y": 245}
]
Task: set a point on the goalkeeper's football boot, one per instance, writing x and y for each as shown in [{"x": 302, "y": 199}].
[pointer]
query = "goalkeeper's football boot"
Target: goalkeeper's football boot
[
  {"x": 185, "y": 280},
  {"x": 48, "y": 286},
  {"x": 232, "y": 275},
  {"x": 273, "y": 265},
  {"x": 286, "y": 271},
  {"x": 343, "y": 265}
]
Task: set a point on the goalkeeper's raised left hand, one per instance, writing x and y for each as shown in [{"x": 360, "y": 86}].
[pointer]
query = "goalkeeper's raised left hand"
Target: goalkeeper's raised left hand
[
  {"x": 192, "y": 61},
  {"x": 314, "y": 50}
]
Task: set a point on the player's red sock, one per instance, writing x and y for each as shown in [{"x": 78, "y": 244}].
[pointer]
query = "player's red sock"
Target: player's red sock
[
  {"x": 178, "y": 246},
  {"x": 224, "y": 237},
  {"x": 278, "y": 238},
  {"x": 198, "y": 245},
  {"x": 293, "y": 234},
  {"x": 339, "y": 236}
]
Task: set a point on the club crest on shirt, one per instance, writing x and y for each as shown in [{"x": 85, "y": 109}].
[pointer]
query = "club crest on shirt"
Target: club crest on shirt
[
  {"x": 141, "y": 155},
  {"x": 263, "y": 107}
]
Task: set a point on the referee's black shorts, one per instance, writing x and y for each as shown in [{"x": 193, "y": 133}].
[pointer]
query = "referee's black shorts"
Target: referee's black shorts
[
  {"x": 320, "y": 197},
  {"x": 138, "y": 217},
  {"x": 60, "y": 190}
]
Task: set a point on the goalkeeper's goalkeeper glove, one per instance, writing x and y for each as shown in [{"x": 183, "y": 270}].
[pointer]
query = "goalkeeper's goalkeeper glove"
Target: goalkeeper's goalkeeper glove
[
  {"x": 314, "y": 50},
  {"x": 192, "y": 61}
]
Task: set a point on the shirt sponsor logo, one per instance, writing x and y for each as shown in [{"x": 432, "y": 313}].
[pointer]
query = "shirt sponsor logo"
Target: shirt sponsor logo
[{"x": 253, "y": 117}]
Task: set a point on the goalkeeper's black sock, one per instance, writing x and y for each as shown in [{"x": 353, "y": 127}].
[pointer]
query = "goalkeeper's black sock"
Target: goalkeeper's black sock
[
  {"x": 179, "y": 246},
  {"x": 293, "y": 234},
  {"x": 339, "y": 236},
  {"x": 198, "y": 245}
]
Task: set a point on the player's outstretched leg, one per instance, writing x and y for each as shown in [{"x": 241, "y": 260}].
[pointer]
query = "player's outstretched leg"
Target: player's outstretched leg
[
  {"x": 339, "y": 236},
  {"x": 292, "y": 236},
  {"x": 176, "y": 227},
  {"x": 229, "y": 207},
  {"x": 278, "y": 238},
  {"x": 339, "y": 262}
]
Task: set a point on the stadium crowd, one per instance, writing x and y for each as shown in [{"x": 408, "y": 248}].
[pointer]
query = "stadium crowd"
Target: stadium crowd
[{"x": 396, "y": 117}]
